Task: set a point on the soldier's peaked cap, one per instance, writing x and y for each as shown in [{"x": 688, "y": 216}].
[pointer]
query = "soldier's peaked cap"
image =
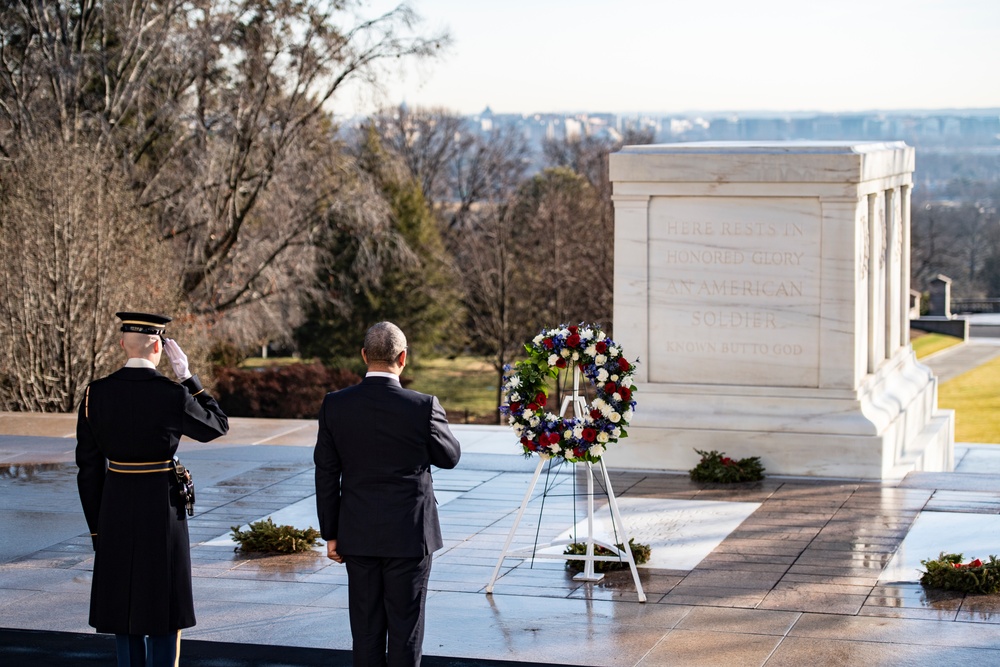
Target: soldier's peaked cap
[{"x": 144, "y": 323}]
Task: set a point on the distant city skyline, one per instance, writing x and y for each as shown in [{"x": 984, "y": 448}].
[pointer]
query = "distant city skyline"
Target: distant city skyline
[{"x": 527, "y": 56}]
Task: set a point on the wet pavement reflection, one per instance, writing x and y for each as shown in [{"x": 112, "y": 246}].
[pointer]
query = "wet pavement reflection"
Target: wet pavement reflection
[
  {"x": 31, "y": 472},
  {"x": 745, "y": 575}
]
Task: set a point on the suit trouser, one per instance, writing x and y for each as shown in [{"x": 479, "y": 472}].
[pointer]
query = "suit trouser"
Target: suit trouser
[
  {"x": 386, "y": 597},
  {"x": 148, "y": 650}
]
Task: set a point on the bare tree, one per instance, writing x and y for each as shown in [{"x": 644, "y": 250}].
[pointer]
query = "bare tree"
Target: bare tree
[
  {"x": 428, "y": 141},
  {"x": 489, "y": 169},
  {"x": 557, "y": 218},
  {"x": 76, "y": 69},
  {"x": 213, "y": 118},
  {"x": 530, "y": 263},
  {"x": 989, "y": 273},
  {"x": 209, "y": 102},
  {"x": 288, "y": 60},
  {"x": 956, "y": 240},
  {"x": 497, "y": 295},
  {"x": 76, "y": 249},
  {"x": 588, "y": 157},
  {"x": 457, "y": 165}
]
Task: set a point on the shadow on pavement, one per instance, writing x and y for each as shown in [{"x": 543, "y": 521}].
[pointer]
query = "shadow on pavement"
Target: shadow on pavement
[{"x": 39, "y": 648}]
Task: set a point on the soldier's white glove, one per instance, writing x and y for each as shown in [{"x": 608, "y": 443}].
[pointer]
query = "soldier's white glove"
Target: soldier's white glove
[{"x": 178, "y": 360}]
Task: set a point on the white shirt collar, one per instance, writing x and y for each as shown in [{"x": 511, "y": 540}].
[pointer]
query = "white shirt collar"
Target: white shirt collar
[
  {"x": 381, "y": 374},
  {"x": 136, "y": 362}
]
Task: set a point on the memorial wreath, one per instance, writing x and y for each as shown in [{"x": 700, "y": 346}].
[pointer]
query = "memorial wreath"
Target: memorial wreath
[{"x": 584, "y": 437}]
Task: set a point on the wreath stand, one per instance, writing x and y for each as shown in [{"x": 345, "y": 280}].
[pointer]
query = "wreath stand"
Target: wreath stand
[{"x": 579, "y": 408}]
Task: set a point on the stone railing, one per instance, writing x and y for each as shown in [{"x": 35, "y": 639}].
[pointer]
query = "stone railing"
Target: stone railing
[{"x": 975, "y": 305}]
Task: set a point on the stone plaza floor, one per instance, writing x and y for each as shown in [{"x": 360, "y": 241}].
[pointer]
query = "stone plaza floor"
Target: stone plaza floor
[{"x": 788, "y": 571}]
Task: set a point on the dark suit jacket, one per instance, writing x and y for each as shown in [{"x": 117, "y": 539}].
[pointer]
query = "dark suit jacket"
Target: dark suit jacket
[{"x": 376, "y": 444}]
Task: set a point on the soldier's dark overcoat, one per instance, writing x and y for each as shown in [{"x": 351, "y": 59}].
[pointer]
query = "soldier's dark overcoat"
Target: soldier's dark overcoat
[{"x": 142, "y": 567}]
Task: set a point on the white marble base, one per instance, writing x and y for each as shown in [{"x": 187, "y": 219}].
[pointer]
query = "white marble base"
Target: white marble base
[{"x": 884, "y": 432}]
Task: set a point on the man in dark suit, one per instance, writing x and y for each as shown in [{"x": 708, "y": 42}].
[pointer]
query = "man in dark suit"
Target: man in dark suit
[
  {"x": 127, "y": 432},
  {"x": 377, "y": 512}
]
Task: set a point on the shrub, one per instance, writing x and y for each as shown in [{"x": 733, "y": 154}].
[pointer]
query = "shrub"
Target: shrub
[
  {"x": 716, "y": 467},
  {"x": 295, "y": 391},
  {"x": 227, "y": 354},
  {"x": 949, "y": 573},
  {"x": 640, "y": 552},
  {"x": 265, "y": 537}
]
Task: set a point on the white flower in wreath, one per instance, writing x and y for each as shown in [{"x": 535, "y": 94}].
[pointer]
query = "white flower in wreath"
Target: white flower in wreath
[
  {"x": 627, "y": 415},
  {"x": 599, "y": 416}
]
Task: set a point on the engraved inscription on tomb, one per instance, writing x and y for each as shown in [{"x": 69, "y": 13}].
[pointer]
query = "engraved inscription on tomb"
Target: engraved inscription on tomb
[{"x": 734, "y": 290}]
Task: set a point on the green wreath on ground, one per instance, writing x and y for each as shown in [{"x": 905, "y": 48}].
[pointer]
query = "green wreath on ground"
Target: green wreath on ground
[
  {"x": 265, "y": 537},
  {"x": 716, "y": 467},
  {"x": 949, "y": 573}
]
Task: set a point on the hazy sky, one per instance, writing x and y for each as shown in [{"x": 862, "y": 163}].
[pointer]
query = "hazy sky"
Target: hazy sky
[{"x": 662, "y": 55}]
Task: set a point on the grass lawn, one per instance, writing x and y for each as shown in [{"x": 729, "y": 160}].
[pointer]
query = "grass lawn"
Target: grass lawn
[
  {"x": 929, "y": 343},
  {"x": 975, "y": 398},
  {"x": 466, "y": 387},
  {"x": 261, "y": 362}
]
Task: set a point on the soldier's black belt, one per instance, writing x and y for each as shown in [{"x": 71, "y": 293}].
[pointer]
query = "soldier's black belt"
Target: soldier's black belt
[
  {"x": 185, "y": 483},
  {"x": 157, "y": 466}
]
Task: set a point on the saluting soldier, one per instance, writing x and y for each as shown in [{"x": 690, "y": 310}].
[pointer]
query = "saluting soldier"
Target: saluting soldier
[{"x": 127, "y": 432}]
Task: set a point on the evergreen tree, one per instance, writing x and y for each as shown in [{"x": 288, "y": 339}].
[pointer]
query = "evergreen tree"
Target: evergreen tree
[{"x": 393, "y": 268}]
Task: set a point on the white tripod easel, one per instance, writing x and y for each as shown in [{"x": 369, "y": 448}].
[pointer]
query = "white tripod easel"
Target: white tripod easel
[{"x": 579, "y": 408}]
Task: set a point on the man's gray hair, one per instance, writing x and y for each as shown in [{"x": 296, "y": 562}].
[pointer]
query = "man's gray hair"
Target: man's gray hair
[{"x": 383, "y": 342}]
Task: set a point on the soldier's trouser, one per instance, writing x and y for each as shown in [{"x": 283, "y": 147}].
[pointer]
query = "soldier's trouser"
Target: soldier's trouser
[{"x": 149, "y": 651}]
